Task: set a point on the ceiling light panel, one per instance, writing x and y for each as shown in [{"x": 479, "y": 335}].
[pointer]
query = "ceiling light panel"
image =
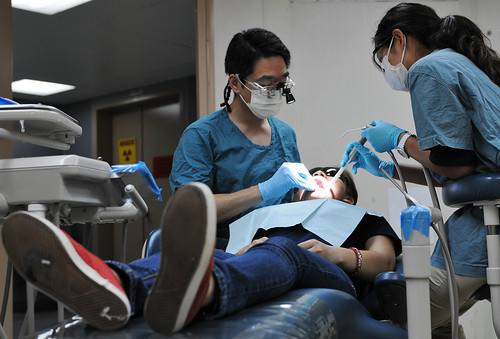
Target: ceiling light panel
[
  {"x": 36, "y": 87},
  {"x": 48, "y": 7}
]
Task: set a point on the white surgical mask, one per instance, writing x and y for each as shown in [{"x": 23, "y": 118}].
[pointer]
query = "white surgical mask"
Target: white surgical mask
[
  {"x": 263, "y": 106},
  {"x": 396, "y": 76}
]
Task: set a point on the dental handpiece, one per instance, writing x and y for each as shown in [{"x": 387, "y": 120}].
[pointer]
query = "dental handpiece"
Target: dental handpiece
[{"x": 352, "y": 155}]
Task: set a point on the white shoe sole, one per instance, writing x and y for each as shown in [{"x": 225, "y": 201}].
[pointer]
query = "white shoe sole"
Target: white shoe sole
[
  {"x": 188, "y": 242},
  {"x": 44, "y": 255}
]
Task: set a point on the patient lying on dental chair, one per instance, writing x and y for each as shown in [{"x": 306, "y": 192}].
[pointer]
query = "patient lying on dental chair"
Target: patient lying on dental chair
[{"x": 189, "y": 278}]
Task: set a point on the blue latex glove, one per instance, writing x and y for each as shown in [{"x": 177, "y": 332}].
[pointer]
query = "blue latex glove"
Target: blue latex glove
[
  {"x": 289, "y": 175},
  {"x": 383, "y": 136},
  {"x": 367, "y": 160}
]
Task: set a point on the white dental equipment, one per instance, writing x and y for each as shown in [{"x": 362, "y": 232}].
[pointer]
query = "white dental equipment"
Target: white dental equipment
[
  {"x": 67, "y": 188},
  {"x": 355, "y": 129},
  {"x": 416, "y": 271},
  {"x": 40, "y": 125},
  {"x": 74, "y": 183}
]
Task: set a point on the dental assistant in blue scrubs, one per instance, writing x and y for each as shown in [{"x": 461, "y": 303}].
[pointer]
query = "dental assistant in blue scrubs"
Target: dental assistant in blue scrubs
[
  {"x": 453, "y": 79},
  {"x": 242, "y": 152}
]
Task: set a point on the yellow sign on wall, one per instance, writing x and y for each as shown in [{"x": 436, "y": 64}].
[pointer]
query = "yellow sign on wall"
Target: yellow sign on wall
[{"x": 127, "y": 151}]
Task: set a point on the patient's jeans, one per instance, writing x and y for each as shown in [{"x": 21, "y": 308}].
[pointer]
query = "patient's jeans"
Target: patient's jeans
[{"x": 266, "y": 271}]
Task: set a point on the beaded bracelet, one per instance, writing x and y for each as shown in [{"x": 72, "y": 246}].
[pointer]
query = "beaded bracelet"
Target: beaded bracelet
[{"x": 359, "y": 257}]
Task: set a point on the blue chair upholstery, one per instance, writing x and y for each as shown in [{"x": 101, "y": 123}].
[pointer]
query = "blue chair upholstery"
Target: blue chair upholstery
[
  {"x": 474, "y": 188},
  {"x": 152, "y": 244},
  {"x": 301, "y": 313},
  {"x": 341, "y": 313},
  {"x": 470, "y": 190}
]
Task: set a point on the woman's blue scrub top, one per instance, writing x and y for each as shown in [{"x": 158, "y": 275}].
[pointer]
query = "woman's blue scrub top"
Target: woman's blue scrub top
[
  {"x": 214, "y": 151},
  {"x": 456, "y": 105}
]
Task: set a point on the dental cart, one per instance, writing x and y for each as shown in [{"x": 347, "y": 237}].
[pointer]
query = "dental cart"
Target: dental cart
[
  {"x": 67, "y": 189},
  {"x": 73, "y": 188}
]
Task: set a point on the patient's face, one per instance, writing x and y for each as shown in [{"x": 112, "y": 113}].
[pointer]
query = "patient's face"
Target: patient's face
[{"x": 326, "y": 189}]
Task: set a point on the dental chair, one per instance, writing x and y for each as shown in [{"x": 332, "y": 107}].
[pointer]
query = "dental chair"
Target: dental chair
[
  {"x": 311, "y": 313},
  {"x": 302, "y": 313},
  {"x": 73, "y": 189},
  {"x": 66, "y": 189}
]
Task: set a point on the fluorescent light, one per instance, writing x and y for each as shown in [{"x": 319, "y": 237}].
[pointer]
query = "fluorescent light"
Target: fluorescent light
[
  {"x": 35, "y": 87},
  {"x": 48, "y": 7}
]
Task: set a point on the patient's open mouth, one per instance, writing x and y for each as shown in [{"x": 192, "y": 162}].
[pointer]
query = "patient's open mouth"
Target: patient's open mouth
[{"x": 320, "y": 182}]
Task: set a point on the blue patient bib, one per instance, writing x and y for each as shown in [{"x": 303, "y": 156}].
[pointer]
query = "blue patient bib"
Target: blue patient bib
[{"x": 330, "y": 219}]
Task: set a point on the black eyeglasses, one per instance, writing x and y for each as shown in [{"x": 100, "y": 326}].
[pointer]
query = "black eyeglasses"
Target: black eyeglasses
[
  {"x": 329, "y": 171},
  {"x": 375, "y": 58}
]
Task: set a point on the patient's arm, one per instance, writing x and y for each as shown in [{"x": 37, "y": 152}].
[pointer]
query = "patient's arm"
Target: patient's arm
[{"x": 377, "y": 258}]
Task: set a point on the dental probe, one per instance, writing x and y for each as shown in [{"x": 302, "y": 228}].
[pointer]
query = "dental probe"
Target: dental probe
[{"x": 352, "y": 155}]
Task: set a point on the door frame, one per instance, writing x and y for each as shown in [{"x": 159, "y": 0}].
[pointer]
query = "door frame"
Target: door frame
[{"x": 107, "y": 239}]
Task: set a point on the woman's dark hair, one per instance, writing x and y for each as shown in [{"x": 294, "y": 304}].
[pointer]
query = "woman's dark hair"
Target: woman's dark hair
[
  {"x": 246, "y": 48},
  {"x": 346, "y": 177},
  {"x": 454, "y": 31}
]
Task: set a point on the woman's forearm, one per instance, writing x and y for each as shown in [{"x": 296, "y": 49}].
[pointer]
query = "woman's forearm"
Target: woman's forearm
[{"x": 232, "y": 204}]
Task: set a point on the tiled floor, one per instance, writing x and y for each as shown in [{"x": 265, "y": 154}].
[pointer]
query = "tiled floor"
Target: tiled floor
[
  {"x": 45, "y": 309},
  {"x": 43, "y": 320}
]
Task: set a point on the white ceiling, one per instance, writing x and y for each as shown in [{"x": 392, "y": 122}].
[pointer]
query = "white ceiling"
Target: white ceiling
[{"x": 104, "y": 47}]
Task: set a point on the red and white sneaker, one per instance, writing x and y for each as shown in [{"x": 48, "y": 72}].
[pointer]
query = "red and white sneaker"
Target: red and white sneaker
[
  {"x": 188, "y": 228},
  {"x": 60, "y": 267}
]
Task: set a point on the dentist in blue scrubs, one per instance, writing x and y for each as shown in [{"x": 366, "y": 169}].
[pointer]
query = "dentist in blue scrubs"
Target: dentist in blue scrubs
[
  {"x": 453, "y": 79},
  {"x": 242, "y": 152}
]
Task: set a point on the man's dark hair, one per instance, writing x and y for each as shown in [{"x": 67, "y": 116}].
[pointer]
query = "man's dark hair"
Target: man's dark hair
[{"x": 246, "y": 48}]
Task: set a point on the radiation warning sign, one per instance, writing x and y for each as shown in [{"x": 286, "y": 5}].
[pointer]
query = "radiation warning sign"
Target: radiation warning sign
[{"x": 127, "y": 151}]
